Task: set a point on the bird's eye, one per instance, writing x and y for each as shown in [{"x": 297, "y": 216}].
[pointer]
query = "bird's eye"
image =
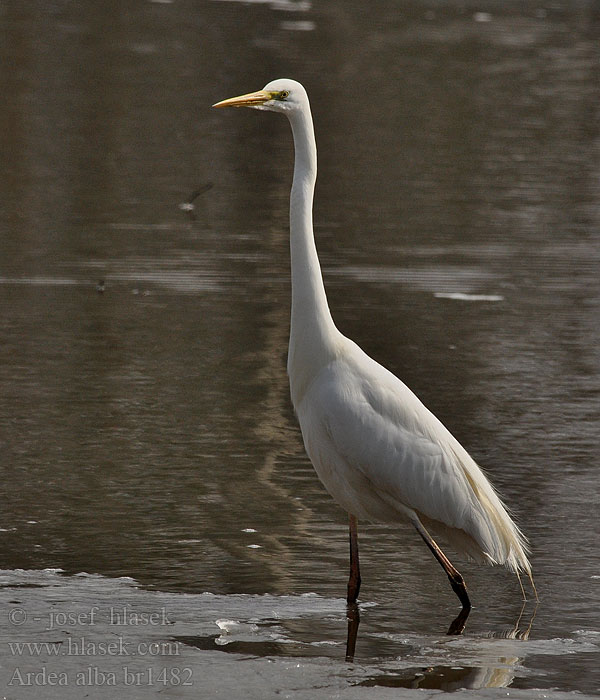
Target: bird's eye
[{"x": 283, "y": 94}]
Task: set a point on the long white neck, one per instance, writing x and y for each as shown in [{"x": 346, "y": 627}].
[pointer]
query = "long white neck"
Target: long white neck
[{"x": 313, "y": 335}]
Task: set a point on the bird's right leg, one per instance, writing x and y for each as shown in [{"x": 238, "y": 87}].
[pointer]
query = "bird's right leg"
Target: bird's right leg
[
  {"x": 456, "y": 580},
  {"x": 354, "y": 580}
]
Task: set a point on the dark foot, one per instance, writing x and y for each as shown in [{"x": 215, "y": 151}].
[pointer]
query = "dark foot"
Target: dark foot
[{"x": 458, "y": 624}]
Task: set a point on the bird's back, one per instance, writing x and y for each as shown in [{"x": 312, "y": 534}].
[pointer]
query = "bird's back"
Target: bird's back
[{"x": 384, "y": 456}]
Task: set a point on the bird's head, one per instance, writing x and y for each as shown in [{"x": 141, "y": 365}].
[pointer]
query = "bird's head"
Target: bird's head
[{"x": 282, "y": 95}]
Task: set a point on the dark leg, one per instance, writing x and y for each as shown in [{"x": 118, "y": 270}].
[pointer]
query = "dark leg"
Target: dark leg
[
  {"x": 354, "y": 580},
  {"x": 353, "y": 623},
  {"x": 456, "y": 580},
  {"x": 458, "y": 624}
]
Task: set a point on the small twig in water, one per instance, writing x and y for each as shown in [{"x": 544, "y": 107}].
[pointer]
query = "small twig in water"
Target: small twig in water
[{"x": 188, "y": 205}]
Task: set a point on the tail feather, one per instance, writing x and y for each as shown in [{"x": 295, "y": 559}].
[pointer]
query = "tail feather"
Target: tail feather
[{"x": 501, "y": 541}]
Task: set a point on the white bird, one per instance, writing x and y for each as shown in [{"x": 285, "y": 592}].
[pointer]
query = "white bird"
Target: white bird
[{"x": 380, "y": 453}]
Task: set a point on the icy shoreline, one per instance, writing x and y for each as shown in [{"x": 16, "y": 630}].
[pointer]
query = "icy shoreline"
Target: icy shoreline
[{"x": 88, "y": 635}]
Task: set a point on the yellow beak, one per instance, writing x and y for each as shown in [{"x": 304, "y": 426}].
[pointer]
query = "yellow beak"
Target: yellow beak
[{"x": 252, "y": 99}]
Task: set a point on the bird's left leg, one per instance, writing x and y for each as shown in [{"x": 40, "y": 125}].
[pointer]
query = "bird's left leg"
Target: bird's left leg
[
  {"x": 456, "y": 580},
  {"x": 353, "y": 615},
  {"x": 354, "y": 580}
]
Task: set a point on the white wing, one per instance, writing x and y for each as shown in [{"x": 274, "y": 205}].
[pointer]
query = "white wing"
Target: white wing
[{"x": 384, "y": 456}]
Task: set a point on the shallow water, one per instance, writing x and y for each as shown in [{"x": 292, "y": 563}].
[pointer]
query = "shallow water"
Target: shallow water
[
  {"x": 88, "y": 632},
  {"x": 145, "y": 424}
]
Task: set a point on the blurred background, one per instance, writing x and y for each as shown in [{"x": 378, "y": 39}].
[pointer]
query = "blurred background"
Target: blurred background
[{"x": 145, "y": 423}]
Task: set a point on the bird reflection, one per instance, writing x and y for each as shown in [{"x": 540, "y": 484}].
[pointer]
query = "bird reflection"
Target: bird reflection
[
  {"x": 353, "y": 615},
  {"x": 457, "y": 626},
  {"x": 517, "y": 631}
]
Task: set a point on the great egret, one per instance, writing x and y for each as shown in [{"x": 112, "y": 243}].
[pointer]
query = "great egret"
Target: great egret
[{"x": 380, "y": 453}]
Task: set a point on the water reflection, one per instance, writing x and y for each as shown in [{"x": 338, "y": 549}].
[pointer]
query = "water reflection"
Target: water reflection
[
  {"x": 449, "y": 678},
  {"x": 456, "y": 627},
  {"x": 404, "y": 662}
]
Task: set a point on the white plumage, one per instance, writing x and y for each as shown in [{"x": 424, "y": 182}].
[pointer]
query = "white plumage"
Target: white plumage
[
  {"x": 409, "y": 467},
  {"x": 380, "y": 453}
]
